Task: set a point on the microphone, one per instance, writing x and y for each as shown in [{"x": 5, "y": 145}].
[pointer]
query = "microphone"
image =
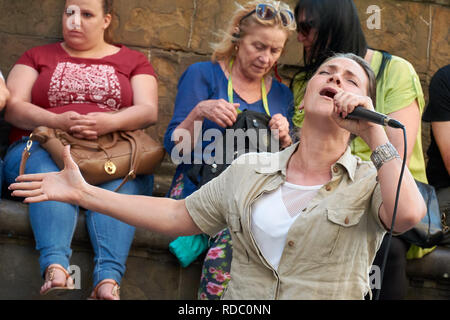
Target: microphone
[{"x": 360, "y": 113}]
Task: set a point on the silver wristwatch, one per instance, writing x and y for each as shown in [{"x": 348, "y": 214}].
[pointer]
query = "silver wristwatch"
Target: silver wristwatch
[{"x": 383, "y": 154}]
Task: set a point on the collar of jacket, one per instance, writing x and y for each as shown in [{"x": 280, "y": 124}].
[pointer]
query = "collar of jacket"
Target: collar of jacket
[{"x": 279, "y": 161}]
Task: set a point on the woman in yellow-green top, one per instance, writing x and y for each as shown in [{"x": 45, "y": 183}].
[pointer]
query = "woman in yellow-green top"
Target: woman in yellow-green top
[
  {"x": 398, "y": 91},
  {"x": 326, "y": 27}
]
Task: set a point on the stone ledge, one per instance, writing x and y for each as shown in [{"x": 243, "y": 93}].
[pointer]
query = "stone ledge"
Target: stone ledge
[
  {"x": 150, "y": 274},
  {"x": 435, "y": 265},
  {"x": 152, "y": 271},
  {"x": 150, "y": 264},
  {"x": 14, "y": 223},
  {"x": 429, "y": 276}
]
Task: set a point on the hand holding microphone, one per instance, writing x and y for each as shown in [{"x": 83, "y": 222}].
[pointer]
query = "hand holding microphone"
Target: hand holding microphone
[{"x": 354, "y": 107}]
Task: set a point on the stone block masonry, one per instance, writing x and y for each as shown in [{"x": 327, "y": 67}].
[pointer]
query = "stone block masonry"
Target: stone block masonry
[{"x": 176, "y": 33}]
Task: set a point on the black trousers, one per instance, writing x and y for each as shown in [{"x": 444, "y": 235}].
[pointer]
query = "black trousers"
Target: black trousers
[{"x": 395, "y": 283}]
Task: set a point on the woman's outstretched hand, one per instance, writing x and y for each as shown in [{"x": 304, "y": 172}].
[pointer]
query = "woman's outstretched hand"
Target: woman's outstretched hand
[{"x": 65, "y": 186}]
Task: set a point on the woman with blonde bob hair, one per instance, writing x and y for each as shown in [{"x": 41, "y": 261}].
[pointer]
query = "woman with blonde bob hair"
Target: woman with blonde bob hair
[
  {"x": 237, "y": 78},
  {"x": 240, "y": 25}
]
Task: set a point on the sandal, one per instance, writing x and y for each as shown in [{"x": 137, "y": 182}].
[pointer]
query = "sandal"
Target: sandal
[
  {"x": 115, "y": 290},
  {"x": 50, "y": 276}
]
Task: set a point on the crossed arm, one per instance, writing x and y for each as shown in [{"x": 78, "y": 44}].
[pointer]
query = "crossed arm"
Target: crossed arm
[{"x": 22, "y": 113}]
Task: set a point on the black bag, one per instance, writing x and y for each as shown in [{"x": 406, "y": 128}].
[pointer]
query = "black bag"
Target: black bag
[
  {"x": 446, "y": 227},
  {"x": 250, "y": 133},
  {"x": 430, "y": 230}
]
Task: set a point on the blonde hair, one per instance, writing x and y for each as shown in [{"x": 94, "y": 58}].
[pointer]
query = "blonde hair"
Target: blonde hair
[{"x": 238, "y": 28}]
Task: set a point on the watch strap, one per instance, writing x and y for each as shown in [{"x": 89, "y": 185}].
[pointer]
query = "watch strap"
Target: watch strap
[{"x": 382, "y": 154}]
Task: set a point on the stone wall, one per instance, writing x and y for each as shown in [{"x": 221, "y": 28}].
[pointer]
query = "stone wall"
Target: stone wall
[{"x": 177, "y": 33}]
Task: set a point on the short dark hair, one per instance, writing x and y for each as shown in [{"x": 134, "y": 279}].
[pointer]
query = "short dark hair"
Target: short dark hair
[
  {"x": 372, "y": 83},
  {"x": 371, "y": 86},
  {"x": 338, "y": 30}
]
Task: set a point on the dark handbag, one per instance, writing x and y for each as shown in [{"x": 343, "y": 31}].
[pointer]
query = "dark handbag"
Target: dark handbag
[
  {"x": 430, "y": 230},
  {"x": 187, "y": 249},
  {"x": 445, "y": 225},
  {"x": 254, "y": 127},
  {"x": 121, "y": 154}
]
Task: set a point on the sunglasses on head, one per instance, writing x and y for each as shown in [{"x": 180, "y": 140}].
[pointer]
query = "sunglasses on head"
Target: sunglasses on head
[
  {"x": 304, "y": 27},
  {"x": 268, "y": 12}
]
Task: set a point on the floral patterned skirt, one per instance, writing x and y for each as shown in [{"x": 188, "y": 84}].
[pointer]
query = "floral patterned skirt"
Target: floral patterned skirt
[{"x": 216, "y": 267}]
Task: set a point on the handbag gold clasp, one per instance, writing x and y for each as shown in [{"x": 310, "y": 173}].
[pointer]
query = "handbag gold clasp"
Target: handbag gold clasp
[
  {"x": 29, "y": 143},
  {"x": 445, "y": 227},
  {"x": 110, "y": 167}
]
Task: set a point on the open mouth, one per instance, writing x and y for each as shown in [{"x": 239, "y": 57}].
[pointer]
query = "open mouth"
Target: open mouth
[{"x": 328, "y": 92}]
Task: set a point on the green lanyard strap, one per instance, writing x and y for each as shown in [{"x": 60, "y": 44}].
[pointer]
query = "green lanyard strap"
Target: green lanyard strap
[{"x": 263, "y": 91}]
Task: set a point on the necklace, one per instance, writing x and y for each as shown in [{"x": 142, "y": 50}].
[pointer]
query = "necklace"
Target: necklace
[{"x": 263, "y": 91}]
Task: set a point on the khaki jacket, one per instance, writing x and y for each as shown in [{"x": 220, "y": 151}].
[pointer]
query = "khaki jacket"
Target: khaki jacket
[{"x": 330, "y": 247}]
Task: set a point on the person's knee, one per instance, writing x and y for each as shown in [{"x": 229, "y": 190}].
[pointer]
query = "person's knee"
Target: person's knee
[{"x": 40, "y": 162}]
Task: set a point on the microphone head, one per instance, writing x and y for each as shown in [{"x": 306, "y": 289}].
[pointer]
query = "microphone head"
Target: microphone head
[
  {"x": 394, "y": 123},
  {"x": 361, "y": 113}
]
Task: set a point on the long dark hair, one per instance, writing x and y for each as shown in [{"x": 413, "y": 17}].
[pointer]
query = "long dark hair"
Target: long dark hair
[{"x": 338, "y": 30}]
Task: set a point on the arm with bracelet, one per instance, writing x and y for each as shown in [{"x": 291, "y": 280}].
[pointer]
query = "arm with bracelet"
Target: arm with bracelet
[{"x": 387, "y": 161}]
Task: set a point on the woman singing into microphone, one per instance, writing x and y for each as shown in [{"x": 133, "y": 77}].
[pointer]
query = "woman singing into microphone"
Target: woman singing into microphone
[{"x": 305, "y": 222}]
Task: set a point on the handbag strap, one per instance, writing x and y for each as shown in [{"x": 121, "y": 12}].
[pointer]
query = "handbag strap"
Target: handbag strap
[
  {"x": 135, "y": 158},
  {"x": 386, "y": 57},
  {"x": 25, "y": 155},
  {"x": 86, "y": 143}
]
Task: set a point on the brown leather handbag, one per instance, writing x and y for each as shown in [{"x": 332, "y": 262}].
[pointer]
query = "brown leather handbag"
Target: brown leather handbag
[{"x": 121, "y": 154}]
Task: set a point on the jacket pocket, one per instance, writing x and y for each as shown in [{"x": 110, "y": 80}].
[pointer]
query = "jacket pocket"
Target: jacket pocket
[
  {"x": 351, "y": 232},
  {"x": 345, "y": 217}
]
